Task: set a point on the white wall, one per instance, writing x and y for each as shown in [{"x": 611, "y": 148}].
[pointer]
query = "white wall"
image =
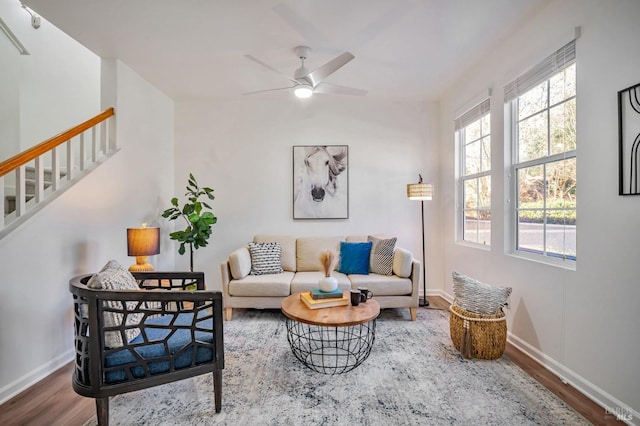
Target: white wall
[
  {"x": 80, "y": 231},
  {"x": 56, "y": 86},
  {"x": 579, "y": 323},
  {"x": 243, "y": 150},
  {"x": 9, "y": 91}
]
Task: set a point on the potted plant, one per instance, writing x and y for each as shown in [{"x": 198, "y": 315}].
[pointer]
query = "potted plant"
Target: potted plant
[{"x": 194, "y": 212}]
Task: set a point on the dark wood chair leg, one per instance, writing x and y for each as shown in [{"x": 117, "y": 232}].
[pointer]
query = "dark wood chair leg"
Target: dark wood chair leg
[
  {"x": 102, "y": 411},
  {"x": 217, "y": 389}
]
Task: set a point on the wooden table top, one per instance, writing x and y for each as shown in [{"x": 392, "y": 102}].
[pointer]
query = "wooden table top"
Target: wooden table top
[{"x": 337, "y": 316}]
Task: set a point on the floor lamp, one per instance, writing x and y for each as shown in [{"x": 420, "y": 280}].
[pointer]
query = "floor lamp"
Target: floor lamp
[{"x": 421, "y": 191}]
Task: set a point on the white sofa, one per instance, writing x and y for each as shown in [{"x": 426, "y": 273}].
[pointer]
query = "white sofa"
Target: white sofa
[{"x": 302, "y": 270}]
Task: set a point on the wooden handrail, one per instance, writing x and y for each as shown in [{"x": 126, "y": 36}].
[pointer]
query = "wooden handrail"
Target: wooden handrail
[{"x": 36, "y": 151}]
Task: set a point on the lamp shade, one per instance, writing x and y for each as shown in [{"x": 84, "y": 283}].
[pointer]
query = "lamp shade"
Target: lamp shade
[
  {"x": 420, "y": 191},
  {"x": 143, "y": 241}
]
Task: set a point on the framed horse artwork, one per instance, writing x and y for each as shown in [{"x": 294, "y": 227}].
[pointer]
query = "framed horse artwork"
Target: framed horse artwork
[{"x": 321, "y": 182}]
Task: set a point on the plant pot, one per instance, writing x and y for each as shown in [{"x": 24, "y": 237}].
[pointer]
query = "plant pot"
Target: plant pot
[{"x": 328, "y": 283}]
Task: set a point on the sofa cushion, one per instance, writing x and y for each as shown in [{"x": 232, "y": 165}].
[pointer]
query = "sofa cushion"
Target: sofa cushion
[
  {"x": 287, "y": 245},
  {"x": 304, "y": 281},
  {"x": 180, "y": 340},
  {"x": 477, "y": 297},
  {"x": 271, "y": 285},
  {"x": 115, "y": 277},
  {"x": 354, "y": 257},
  {"x": 240, "y": 263},
  {"x": 402, "y": 262},
  {"x": 356, "y": 238},
  {"x": 265, "y": 258},
  {"x": 382, "y": 285},
  {"x": 382, "y": 255},
  {"x": 308, "y": 251}
]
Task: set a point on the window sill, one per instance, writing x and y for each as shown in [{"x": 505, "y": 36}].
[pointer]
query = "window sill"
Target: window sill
[
  {"x": 485, "y": 247},
  {"x": 570, "y": 265}
]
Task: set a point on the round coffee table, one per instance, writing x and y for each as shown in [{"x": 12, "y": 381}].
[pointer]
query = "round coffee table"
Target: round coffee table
[{"x": 330, "y": 340}]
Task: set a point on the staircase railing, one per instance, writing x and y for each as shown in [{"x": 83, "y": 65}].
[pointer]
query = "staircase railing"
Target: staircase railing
[{"x": 35, "y": 177}]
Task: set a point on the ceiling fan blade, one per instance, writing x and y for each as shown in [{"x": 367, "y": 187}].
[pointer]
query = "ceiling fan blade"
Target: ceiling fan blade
[
  {"x": 319, "y": 74},
  {"x": 269, "y": 67},
  {"x": 267, "y": 90},
  {"x": 335, "y": 89}
]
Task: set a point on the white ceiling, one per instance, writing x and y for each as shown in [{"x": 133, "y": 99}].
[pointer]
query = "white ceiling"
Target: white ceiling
[{"x": 194, "y": 49}]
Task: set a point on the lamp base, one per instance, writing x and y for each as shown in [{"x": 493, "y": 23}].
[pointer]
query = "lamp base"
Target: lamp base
[
  {"x": 141, "y": 265},
  {"x": 423, "y": 301}
]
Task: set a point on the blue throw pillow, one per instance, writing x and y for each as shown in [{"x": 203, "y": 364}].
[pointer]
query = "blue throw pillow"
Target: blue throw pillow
[{"x": 354, "y": 258}]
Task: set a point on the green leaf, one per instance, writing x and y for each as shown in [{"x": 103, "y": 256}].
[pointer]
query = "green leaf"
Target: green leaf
[{"x": 197, "y": 215}]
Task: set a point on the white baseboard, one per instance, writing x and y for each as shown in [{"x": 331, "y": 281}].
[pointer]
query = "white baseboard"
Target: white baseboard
[
  {"x": 608, "y": 402},
  {"x": 14, "y": 388}
]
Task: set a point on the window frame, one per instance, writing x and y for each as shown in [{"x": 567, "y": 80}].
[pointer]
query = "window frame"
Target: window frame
[
  {"x": 560, "y": 61},
  {"x": 462, "y": 122}
]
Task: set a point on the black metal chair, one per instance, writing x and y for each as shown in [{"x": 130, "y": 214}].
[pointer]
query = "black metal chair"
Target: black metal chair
[{"x": 180, "y": 336}]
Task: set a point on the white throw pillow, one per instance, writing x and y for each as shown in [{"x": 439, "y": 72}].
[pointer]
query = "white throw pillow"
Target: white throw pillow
[
  {"x": 402, "y": 262},
  {"x": 287, "y": 245},
  {"x": 240, "y": 263},
  {"x": 477, "y": 297},
  {"x": 265, "y": 258},
  {"x": 115, "y": 277}
]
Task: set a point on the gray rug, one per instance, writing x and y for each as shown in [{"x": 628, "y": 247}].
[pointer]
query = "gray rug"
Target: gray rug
[{"x": 413, "y": 376}]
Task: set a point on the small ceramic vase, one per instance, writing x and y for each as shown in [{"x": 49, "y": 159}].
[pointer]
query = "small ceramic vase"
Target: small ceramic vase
[{"x": 328, "y": 283}]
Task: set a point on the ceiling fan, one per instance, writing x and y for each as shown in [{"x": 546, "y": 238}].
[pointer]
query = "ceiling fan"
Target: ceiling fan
[{"x": 306, "y": 83}]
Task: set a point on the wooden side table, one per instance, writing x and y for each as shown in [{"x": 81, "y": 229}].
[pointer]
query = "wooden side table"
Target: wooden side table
[{"x": 330, "y": 340}]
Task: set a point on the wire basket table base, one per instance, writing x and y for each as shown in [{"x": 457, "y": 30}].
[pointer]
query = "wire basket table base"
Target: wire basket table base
[{"x": 331, "y": 350}]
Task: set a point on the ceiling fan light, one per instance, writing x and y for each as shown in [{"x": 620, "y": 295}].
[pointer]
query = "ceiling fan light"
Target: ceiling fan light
[{"x": 303, "y": 91}]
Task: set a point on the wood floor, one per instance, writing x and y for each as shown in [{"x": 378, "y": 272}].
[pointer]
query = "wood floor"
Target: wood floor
[{"x": 52, "y": 401}]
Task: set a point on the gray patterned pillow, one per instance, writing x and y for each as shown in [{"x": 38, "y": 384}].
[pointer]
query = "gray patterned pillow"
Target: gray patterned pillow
[
  {"x": 477, "y": 297},
  {"x": 115, "y": 277},
  {"x": 265, "y": 258},
  {"x": 381, "y": 259}
]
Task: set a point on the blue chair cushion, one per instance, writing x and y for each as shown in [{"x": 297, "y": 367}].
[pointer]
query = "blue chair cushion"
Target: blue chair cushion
[{"x": 180, "y": 343}]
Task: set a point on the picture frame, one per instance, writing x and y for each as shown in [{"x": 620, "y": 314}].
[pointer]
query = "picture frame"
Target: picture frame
[
  {"x": 320, "y": 181},
  {"x": 629, "y": 140}
]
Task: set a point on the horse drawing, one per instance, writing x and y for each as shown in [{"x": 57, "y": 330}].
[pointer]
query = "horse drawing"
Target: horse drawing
[{"x": 318, "y": 192}]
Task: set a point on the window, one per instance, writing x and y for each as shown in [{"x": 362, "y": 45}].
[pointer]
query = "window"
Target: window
[
  {"x": 543, "y": 122},
  {"x": 473, "y": 132}
]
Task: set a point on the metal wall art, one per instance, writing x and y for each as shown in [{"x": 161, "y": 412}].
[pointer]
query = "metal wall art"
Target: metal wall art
[
  {"x": 629, "y": 139},
  {"x": 321, "y": 182}
]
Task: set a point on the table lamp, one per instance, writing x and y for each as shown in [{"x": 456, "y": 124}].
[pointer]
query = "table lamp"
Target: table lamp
[{"x": 142, "y": 242}]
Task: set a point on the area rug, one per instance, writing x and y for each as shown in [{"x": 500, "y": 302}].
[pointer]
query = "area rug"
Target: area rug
[{"x": 413, "y": 376}]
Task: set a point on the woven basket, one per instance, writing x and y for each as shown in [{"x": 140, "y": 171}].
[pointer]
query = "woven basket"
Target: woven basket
[{"x": 488, "y": 333}]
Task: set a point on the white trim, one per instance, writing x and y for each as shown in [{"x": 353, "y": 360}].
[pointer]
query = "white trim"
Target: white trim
[
  {"x": 567, "y": 376},
  {"x": 546, "y": 260},
  {"x": 14, "y": 388}
]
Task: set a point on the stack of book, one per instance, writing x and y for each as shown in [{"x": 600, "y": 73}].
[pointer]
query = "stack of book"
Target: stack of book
[{"x": 316, "y": 298}]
